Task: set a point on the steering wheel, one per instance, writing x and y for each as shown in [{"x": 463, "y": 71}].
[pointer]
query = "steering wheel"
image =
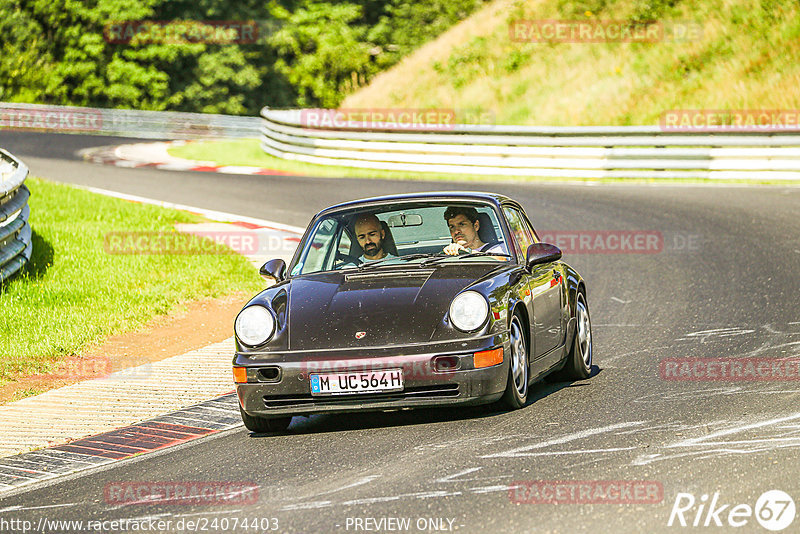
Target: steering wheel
[{"x": 341, "y": 260}]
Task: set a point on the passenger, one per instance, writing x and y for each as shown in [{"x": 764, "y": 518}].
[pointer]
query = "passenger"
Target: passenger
[{"x": 371, "y": 236}]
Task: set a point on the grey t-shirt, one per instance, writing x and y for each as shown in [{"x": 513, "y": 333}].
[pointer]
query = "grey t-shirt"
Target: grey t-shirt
[{"x": 363, "y": 258}]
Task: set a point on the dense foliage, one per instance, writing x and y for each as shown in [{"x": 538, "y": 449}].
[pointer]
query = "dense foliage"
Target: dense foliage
[{"x": 307, "y": 52}]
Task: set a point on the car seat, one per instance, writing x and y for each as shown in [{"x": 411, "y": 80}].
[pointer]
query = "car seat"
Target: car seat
[{"x": 486, "y": 229}]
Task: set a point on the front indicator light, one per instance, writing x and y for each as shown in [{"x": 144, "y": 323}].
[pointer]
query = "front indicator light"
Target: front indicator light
[
  {"x": 240, "y": 375},
  {"x": 488, "y": 358}
]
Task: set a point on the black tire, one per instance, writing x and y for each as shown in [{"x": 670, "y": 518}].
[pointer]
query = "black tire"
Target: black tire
[
  {"x": 516, "y": 394},
  {"x": 263, "y": 425},
  {"x": 579, "y": 360}
]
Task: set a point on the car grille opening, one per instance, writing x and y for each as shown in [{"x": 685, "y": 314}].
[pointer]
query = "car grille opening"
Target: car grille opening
[
  {"x": 419, "y": 392},
  {"x": 269, "y": 374},
  {"x": 446, "y": 363}
]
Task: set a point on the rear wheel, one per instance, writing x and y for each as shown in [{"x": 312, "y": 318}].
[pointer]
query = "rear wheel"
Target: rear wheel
[
  {"x": 262, "y": 425},
  {"x": 516, "y": 393},
  {"x": 579, "y": 359}
]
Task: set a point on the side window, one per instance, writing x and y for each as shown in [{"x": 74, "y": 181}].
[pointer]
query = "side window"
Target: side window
[
  {"x": 344, "y": 242},
  {"x": 527, "y": 224},
  {"x": 318, "y": 250},
  {"x": 522, "y": 234}
]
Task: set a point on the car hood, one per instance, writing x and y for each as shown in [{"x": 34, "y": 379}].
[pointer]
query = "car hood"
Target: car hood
[{"x": 380, "y": 307}]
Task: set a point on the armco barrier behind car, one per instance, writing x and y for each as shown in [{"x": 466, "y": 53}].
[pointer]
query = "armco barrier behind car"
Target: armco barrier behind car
[
  {"x": 15, "y": 233},
  {"x": 688, "y": 144},
  {"x": 142, "y": 124}
]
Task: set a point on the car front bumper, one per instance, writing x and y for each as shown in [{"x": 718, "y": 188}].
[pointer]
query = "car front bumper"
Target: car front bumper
[{"x": 279, "y": 382}]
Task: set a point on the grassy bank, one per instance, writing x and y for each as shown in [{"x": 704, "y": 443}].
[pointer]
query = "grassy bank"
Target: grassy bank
[
  {"x": 74, "y": 293},
  {"x": 747, "y": 56}
]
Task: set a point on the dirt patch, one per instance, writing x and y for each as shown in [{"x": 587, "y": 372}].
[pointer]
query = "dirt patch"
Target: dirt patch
[{"x": 189, "y": 327}]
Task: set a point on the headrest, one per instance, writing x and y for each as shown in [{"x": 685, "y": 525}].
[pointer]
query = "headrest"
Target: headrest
[{"x": 486, "y": 229}]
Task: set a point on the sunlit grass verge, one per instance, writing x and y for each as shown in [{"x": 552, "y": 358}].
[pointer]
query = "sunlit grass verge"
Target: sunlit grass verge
[
  {"x": 745, "y": 56},
  {"x": 248, "y": 153},
  {"x": 72, "y": 293}
]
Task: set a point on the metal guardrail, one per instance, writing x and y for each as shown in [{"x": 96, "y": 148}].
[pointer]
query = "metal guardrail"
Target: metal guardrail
[
  {"x": 578, "y": 152},
  {"x": 126, "y": 123},
  {"x": 15, "y": 232}
]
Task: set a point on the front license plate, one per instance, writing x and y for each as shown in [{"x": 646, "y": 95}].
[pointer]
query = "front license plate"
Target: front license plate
[{"x": 367, "y": 382}]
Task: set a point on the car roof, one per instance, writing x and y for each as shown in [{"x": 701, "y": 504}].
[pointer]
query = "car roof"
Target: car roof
[{"x": 493, "y": 198}]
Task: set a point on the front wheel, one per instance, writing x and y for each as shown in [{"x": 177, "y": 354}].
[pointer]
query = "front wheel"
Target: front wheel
[
  {"x": 516, "y": 394},
  {"x": 262, "y": 425}
]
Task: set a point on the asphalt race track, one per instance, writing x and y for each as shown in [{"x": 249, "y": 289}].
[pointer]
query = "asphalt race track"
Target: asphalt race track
[{"x": 722, "y": 283}]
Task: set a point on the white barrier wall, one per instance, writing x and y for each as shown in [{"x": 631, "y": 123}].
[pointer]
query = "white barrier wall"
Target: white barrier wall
[{"x": 580, "y": 152}]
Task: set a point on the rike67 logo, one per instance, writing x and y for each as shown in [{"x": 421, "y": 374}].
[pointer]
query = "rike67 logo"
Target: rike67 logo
[{"x": 774, "y": 510}]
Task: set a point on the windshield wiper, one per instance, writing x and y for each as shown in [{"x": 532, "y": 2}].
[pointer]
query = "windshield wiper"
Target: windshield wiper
[
  {"x": 372, "y": 263},
  {"x": 480, "y": 253},
  {"x": 468, "y": 255}
]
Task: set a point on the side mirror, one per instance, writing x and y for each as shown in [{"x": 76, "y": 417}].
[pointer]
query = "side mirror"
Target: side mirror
[
  {"x": 273, "y": 270},
  {"x": 539, "y": 253}
]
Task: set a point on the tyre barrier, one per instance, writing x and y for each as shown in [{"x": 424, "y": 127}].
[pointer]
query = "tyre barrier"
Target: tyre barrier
[{"x": 15, "y": 232}]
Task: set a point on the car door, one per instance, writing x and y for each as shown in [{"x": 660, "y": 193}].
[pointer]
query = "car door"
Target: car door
[
  {"x": 545, "y": 290},
  {"x": 522, "y": 286}
]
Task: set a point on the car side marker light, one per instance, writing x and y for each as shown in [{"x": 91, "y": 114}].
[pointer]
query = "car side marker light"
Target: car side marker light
[
  {"x": 240, "y": 375},
  {"x": 488, "y": 358}
]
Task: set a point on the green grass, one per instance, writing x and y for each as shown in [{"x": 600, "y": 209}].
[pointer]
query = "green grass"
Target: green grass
[
  {"x": 72, "y": 293},
  {"x": 24, "y": 393},
  {"x": 247, "y": 152},
  {"x": 747, "y": 57}
]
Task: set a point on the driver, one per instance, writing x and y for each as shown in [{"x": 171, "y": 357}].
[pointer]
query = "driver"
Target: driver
[
  {"x": 370, "y": 236},
  {"x": 464, "y": 224}
]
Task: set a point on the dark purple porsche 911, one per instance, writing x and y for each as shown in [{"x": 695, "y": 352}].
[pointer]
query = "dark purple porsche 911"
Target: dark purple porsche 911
[{"x": 410, "y": 301}]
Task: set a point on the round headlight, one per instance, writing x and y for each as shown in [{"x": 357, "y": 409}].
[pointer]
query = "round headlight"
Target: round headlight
[
  {"x": 468, "y": 310},
  {"x": 254, "y": 325}
]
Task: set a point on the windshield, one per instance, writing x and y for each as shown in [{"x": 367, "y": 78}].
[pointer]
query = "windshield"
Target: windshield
[{"x": 407, "y": 233}]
